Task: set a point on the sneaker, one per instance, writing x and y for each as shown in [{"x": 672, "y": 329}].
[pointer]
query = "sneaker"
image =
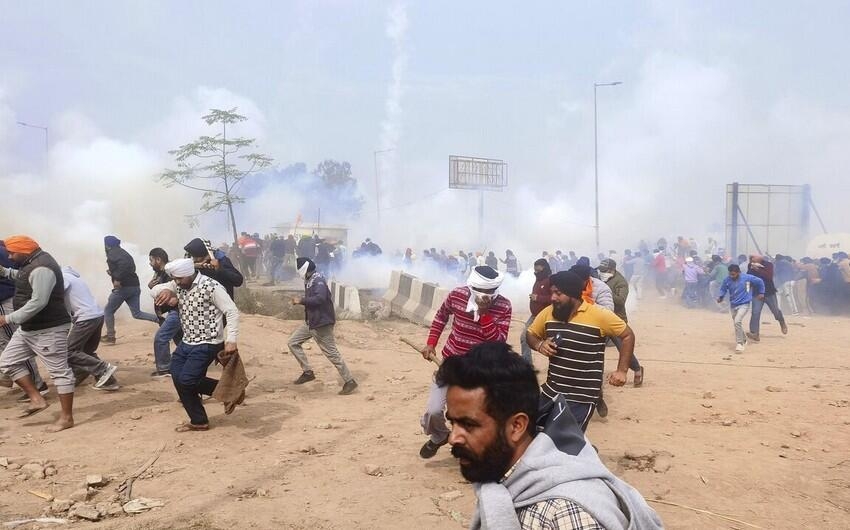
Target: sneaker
[
  {"x": 430, "y": 448},
  {"x": 160, "y": 374},
  {"x": 108, "y": 340},
  {"x": 753, "y": 337},
  {"x": 348, "y": 387},
  {"x": 305, "y": 377},
  {"x": 602, "y": 408},
  {"x": 111, "y": 385},
  {"x": 739, "y": 348},
  {"x": 105, "y": 376},
  {"x": 43, "y": 390}
]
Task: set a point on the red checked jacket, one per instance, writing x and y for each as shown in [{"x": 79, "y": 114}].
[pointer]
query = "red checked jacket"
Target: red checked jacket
[{"x": 492, "y": 326}]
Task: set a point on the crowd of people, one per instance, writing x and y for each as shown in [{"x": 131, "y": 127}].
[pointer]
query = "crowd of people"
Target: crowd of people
[{"x": 498, "y": 417}]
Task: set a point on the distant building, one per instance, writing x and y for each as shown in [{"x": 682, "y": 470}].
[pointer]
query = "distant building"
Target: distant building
[{"x": 331, "y": 232}]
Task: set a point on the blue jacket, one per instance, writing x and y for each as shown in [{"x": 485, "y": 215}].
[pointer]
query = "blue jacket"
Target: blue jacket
[
  {"x": 7, "y": 287},
  {"x": 740, "y": 291}
]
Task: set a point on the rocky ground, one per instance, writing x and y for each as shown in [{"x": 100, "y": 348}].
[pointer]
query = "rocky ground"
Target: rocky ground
[{"x": 760, "y": 438}]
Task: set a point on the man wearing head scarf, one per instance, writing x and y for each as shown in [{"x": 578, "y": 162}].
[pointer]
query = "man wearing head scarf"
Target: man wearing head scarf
[
  {"x": 125, "y": 286},
  {"x": 7, "y": 294},
  {"x": 44, "y": 322},
  {"x": 573, "y": 333},
  {"x": 319, "y": 321},
  {"x": 537, "y": 300},
  {"x": 214, "y": 264},
  {"x": 203, "y": 305},
  {"x": 479, "y": 314}
]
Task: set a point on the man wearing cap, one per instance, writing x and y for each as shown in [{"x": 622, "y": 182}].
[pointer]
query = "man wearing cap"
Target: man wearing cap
[
  {"x": 125, "y": 286},
  {"x": 203, "y": 305},
  {"x": 479, "y": 314},
  {"x": 691, "y": 273},
  {"x": 39, "y": 311},
  {"x": 214, "y": 264},
  {"x": 319, "y": 321},
  {"x": 573, "y": 333}
]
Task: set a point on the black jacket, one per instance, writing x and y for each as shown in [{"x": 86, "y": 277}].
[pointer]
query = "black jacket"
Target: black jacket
[
  {"x": 122, "y": 267},
  {"x": 318, "y": 306},
  {"x": 227, "y": 274}
]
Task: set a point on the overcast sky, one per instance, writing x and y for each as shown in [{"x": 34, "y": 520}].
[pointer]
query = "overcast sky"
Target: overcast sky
[{"x": 712, "y": 92}]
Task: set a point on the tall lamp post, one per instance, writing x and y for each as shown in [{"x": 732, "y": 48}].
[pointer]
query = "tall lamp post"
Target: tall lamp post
[
  {"x": 46, "y": 137},
  {"x": 596, "y": 155},
  {"x": 378, "y": 184}
]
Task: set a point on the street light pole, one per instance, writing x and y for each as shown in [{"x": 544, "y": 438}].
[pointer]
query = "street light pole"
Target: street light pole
[
  {"x": 46, "y": 137},
  {"x": 378, "y": 185},
  {"x": 596, "y": 157}
]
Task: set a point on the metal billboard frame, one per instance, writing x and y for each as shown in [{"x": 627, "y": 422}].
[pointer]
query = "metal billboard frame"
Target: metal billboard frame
[{"x": 475, "y": 173}]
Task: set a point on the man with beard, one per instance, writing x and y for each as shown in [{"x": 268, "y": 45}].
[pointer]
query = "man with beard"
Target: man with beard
[
  {"x": 763, "y": 269},
  {"x": 43, "y": 324},
  {"x": 573, "y": 333},
  {"x": 319, "y": 321},
  {"x": 214, "y": 264},
  {"x": 531, "y": 467},
  {"x": 204, "y": 306},
  {"x": 125, "y": 286},
  {"x": 537, "y": 300},
  {"x": 479, "y": 314}
]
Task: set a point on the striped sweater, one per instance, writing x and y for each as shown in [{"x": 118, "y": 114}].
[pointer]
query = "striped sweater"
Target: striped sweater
[{"x": 492, "y": 326}]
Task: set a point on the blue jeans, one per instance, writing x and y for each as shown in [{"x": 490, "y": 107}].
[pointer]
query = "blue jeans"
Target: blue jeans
[
  {"x": 755, "y": 316},
  {"x": 130, "y": 295},
  {"x": 168, "y": 331},
  {"x": 582, "y": 412},
  {"x": 189, "y": 366}
]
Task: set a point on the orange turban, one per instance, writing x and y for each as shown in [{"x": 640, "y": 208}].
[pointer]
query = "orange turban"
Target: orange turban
[{"x": 21, "y": 244}]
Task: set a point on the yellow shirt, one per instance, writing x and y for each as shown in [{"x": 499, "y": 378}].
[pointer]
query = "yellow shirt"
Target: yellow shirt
[{"x": 609, "y": 324}]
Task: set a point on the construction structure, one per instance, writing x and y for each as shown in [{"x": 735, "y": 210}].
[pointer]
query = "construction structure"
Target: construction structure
[
  {"x": 769, "y": 218},
  {"x": 482, "y": 174}
]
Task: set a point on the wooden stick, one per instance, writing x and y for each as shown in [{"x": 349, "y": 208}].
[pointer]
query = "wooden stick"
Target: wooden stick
[
  {"x": 437, "y": 359},
  {"x": 127, "y": 485},
  {"x": 46, "y": 496},
  {"x": 707, "y": 512}
]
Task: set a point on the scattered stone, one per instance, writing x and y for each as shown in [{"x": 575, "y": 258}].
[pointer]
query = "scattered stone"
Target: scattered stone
[
  {"x": 80, "y": 495},
  {"x": 816, "y": 386},
  {"x": 308, "y": 449},
  {"x": 766, "y": 444},
  {"x": 13, "y": 467},
  {"x": 785, "y": 446},
  {"x": 114, "y": 509},
  {"x": 135, "y": 416},
  {"x": 796, "y": 434},
  {"x": 645, "y": 461},
  {"x": 370, "y": 398},
  {"x": 50, "y": 471},
  {"x": 373, "y": 470},
  {"x": 451, "y": 495},
  {"x": 728, "y": 423},
  {"x": 324, "y": 426},
  {"x": 95, "y": 480},
  {"x": 708, "y": 395},
  {"x": 84, "y": 511},
  {"x": 707, "y": 405},
  {"x": 773, "y": 389},
  {"x": 142, "y": 504},
  {"x": 60, "y": 505},
  {"x": 662, "y": 464},
  {"x": 4, "y": 462},
  {"x": 33, "y": 470},
  {"x": 262, "y": 492}
]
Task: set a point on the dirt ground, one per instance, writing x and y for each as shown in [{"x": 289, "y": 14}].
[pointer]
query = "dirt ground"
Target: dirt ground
[{"x": 760, "y": 437}]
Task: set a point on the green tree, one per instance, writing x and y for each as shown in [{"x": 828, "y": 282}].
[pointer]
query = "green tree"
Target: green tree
[{"x": 217, "y": 166}]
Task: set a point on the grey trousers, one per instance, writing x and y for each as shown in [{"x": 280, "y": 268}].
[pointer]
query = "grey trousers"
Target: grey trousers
[
  {"x": 83, "y": 341},
  {"x": 434, "y": 420},
  {"x": 6, "y": 333},
  {"x": 739, "y": 313},
  {"x": 51, "y": 345},
  {"x": 324, "y": 337}
]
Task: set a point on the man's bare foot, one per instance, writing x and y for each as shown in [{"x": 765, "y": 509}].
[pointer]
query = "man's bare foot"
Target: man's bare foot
[
  {"x": 33, "y": 408},
  {"x": 61, "y": 425}
]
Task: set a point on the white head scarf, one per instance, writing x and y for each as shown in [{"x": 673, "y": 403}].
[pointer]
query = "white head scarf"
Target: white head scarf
[
  {"x": 302, "y": 272},
  {"x": 477, "y": 281},
  {"x": 180, "y": 268}
]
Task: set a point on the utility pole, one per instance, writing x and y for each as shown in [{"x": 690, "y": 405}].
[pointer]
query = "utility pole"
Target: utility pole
[{"x": 596, "y": 157}]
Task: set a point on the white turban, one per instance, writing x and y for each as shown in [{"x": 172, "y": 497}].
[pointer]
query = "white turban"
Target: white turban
[
  {"x": 477, "y": 282},
  {"x": 180, "y": 268}
]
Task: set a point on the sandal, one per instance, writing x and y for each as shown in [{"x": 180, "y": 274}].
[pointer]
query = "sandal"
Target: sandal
[
  {"x": 639, "y": 377},
  {"x": 189, "y": 427},
  {"x": 230, "y": 407}
]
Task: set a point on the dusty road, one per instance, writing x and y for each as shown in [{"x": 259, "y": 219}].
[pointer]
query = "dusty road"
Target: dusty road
[{"x": 760, "y": 437}]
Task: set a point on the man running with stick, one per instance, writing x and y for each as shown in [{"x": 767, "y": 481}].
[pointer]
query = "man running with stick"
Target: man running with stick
[{"x": 480, "y": 315}]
